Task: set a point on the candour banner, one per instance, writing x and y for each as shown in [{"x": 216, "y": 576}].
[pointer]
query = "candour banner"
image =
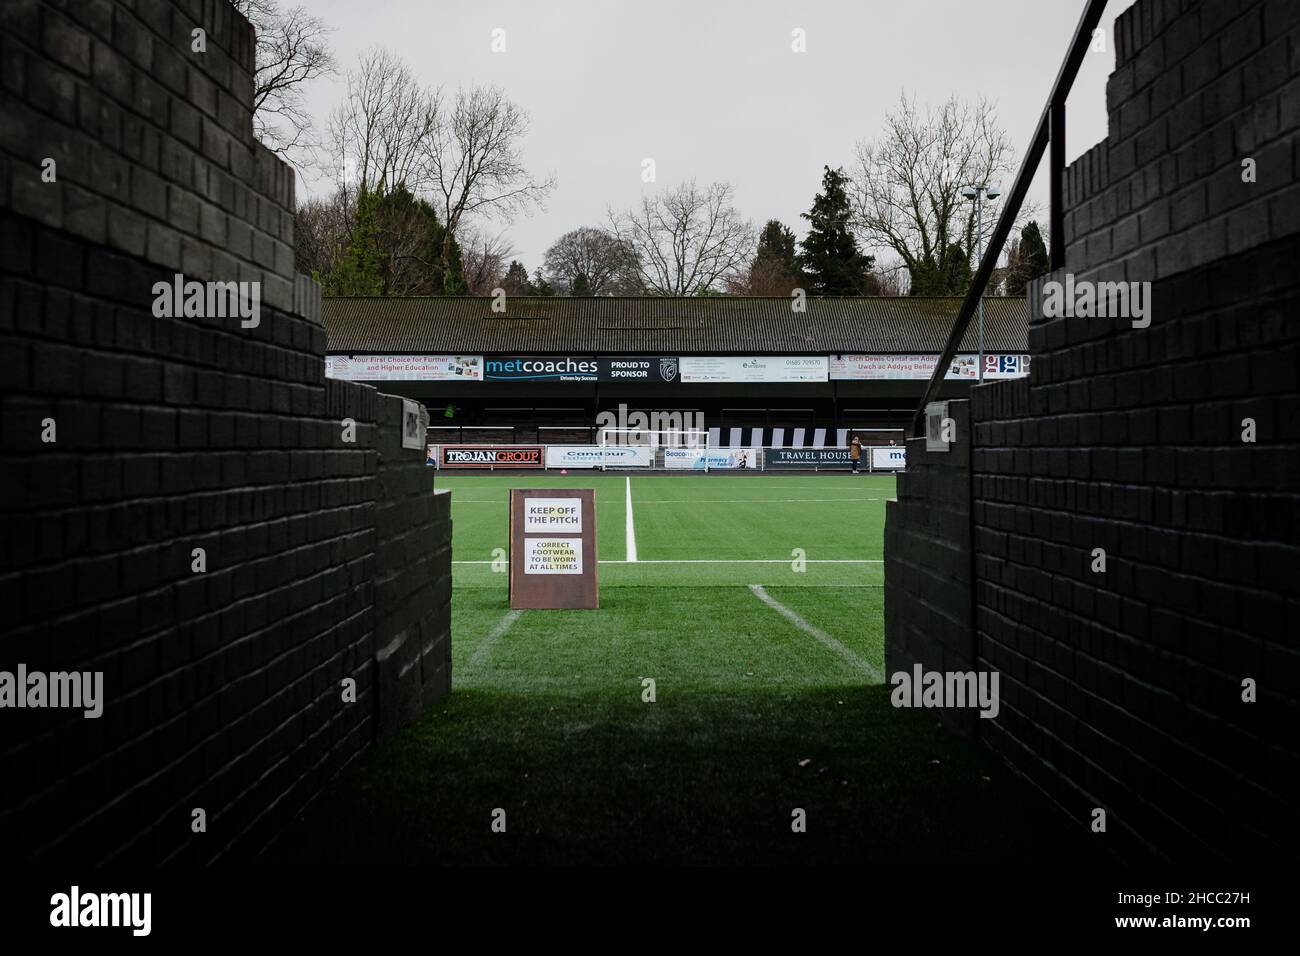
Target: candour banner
[{"x": 593, "y": 456}]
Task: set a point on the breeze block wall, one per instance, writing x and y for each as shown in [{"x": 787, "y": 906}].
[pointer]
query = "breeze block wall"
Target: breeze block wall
[
  {"x": 928, "y": 610},
  {"x": 131, "y": 440},
  {"x": 1123, "y": 689}
]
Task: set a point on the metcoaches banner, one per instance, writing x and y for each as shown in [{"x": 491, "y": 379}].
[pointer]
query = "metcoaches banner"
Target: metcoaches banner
[
  {"x": 497, "y": 456},
  {"x": 593, "y": 456},
  {"x": 807, "y": 458},
  {"x": 719, "y": 458},
  {"x": 540, "y": 368},
  {"x": 405, "y": 368}
]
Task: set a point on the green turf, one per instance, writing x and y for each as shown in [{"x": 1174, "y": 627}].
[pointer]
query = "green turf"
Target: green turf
[{"x": 754, "y": 714}]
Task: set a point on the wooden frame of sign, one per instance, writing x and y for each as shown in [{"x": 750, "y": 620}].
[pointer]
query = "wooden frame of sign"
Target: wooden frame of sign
[{"x": 553, "y": 548}]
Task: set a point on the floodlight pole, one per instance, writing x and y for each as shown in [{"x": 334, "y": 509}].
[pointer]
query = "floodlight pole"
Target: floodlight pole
[
  {"x": 979, "y": 240},
  {"x": 978, "y": 194}
]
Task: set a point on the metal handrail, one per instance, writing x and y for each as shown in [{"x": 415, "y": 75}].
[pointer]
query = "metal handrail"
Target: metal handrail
[{"x": 1051, "y": 129}]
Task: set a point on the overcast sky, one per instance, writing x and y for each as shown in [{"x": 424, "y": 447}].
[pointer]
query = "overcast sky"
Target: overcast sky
[{"x": 711, "y": 89}]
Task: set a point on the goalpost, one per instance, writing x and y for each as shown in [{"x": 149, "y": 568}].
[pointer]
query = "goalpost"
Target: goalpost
[{"x": 677, "y": 443}]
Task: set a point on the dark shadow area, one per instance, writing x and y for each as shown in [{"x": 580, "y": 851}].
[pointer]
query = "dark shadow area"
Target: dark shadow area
[{"x": 712, "y": 779}]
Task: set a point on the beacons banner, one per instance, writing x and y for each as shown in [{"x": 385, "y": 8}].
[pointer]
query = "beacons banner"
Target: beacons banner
[{"x": 697, "y": 458}]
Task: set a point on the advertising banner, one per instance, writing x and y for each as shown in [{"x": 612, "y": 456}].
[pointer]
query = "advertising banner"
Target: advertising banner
[
  {"x": 593, "y": 456},
  {"x": 807, "y": 458},
  {"x": 757, "y": 368},
  {"x": 637, "y": 368},
  {"x": 720, "y": 458},
  {"x": 405, "y": 368},
  {"x": 540, "y": 368},
  {"x": 885, "y": 457},
  {"x": 920, "y": 367},
  {"x": 496, "y": 456}
]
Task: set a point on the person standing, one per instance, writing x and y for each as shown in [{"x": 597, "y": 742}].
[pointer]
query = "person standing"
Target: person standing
[{"x": 855, "y": 452}]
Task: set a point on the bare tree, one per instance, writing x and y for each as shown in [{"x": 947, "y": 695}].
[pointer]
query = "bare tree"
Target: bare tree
[
  {"x": 382, "y": 131},
  {"x": 486, "y": 258},
  {"x": 687, "y": 240},
  {"x": 594, "y": 261},
  {"x": 475, "y": 160},
  {"x": 907, "y": 186},
  {"x": 321, "y": 231},
  {"x": 292, "y": 49}
]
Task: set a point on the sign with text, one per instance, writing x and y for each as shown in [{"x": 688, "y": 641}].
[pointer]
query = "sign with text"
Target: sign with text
[
  {"x": 494, "y": 456},
  {"x": 415, "y": 423},
  {"x": 405, "y": 368},
  {"x": 540, "y": 368},
  {"x": 921, "y": 367},
  {"x": 719, "y": 458},
  {"x": 638, "y": 368},
  {"x": 553, "y": 548},
  {"x": 594, "y": 456},
  {"x": 808, "y": 458},
  {"x": 553, "y": 514},
  {"x": 754, "y": 368},
  {"x": 885, "y": 457}
]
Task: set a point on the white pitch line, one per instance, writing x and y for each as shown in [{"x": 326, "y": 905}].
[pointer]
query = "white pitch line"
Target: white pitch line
[
  {"x": 491, "y": 641},
  {"x": 721, "y": 561},
  {"x": 631, "y": 529},
  {"x": 826, "y": 640},
  {"x": 741, "y": 501}
]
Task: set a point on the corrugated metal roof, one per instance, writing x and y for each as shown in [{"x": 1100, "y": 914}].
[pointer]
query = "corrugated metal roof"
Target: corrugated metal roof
[{"x": 672, "y": 326}]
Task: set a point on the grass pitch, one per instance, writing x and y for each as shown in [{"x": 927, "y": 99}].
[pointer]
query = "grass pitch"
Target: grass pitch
[{"x": 754, "y": 604}]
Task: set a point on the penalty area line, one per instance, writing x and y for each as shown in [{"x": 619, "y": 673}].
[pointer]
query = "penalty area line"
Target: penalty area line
[
  {"x": 490, "y": 642},
  {"x": 851, "y": 657}
]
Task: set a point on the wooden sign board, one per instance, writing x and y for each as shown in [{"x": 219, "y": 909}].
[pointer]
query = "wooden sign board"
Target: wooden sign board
[{"x": 553, "y": 548}]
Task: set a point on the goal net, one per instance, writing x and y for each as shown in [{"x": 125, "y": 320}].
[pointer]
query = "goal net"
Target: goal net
[{"x": 654, "y": 448}]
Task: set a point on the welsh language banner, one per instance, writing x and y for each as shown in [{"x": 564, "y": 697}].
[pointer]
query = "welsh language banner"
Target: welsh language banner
[{"x": 921, "y": 367}]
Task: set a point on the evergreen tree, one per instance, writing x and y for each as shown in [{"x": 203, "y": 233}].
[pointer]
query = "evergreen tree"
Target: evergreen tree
[
  {"x": 360, "y": 271},
  {"x": 775, "y": 269},
  {"x": 580, "y": 287},
  {"x": 516, "y": 280},
  {"x": 1030, "y": 262},
  {"x": 831, "y": 258},
  {"x": 540, "y": 286}
]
